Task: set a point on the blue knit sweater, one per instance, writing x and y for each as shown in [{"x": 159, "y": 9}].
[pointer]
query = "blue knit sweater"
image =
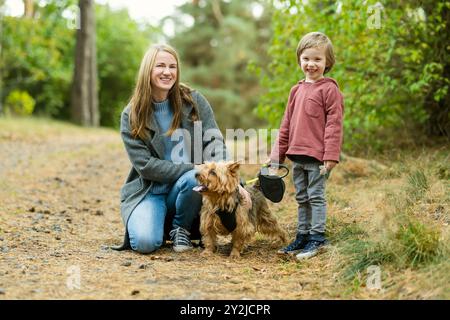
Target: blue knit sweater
[{"x": 163, "y": 114}]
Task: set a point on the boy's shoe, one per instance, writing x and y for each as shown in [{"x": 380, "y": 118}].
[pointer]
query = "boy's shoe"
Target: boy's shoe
[
  {"x": 311, "y": 249},
  {"x": 296, "y": 246},
  {"x": 181, "y": 240}
]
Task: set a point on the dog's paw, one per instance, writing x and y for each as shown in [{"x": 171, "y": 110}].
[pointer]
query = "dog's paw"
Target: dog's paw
[
  {"x": 235, "y": 255},
  {"x": 207, "y": 253}
]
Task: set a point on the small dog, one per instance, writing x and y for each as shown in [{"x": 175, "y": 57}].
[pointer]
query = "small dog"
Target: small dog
[{"x": 228, "y": 208}]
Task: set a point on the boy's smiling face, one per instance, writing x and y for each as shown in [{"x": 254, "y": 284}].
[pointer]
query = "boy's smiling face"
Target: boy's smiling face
[{"x": 313, "y": 63}]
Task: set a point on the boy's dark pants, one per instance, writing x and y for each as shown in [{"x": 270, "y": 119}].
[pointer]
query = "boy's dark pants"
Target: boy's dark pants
[{"x": 310, "y": 196}]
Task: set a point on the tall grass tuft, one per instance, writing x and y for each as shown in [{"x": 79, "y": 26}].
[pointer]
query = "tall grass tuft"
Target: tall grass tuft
[
  {"x": 407, "y": 241},
  {"x": 417, "y": 244},
  {"x": 364, "y": 254},
  {"x": 417, "y": 185}
]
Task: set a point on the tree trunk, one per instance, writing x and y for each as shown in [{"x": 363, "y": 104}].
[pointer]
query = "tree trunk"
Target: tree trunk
[
  {"x": 84, "y": 89},
  {"x": 217, "y": 11},
  {"x": 28, "y": 8},
  {"x": 93, "y": 92}
]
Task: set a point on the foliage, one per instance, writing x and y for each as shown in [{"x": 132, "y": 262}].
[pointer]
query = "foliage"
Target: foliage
[
  {"x": 38, "y": 57},
  {"x": 19, "y": 103},
  {"x": 386, "y": 68},
  {"x": 121, "y": 44},
  {"x": 216, "y": 51},
  {"x": 395, "y": 76}
]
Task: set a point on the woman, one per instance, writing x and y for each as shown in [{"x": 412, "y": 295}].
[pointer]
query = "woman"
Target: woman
[{"x": 157, "y": 198}]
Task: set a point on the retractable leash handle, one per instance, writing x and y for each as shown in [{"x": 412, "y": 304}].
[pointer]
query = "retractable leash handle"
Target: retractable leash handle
[
  {"x": 265, "y": 169},
  {"x": 272, "y": 186}
]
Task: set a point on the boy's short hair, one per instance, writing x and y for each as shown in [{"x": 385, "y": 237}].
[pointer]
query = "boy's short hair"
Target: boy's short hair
[{"x": 314, "y": 40}]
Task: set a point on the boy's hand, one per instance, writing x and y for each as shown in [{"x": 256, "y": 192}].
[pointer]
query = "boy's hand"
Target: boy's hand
[
  {"x": 272, "y": 169},
  {"x": 329, "y": 164},
  {"x": 269, "y": 161}
]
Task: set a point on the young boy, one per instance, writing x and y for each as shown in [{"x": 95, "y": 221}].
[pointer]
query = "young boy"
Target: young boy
[{"x": 311, "y": 136}]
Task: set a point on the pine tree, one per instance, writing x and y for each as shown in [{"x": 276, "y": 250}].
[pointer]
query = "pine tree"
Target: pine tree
[{"x": 215, "y": 53}]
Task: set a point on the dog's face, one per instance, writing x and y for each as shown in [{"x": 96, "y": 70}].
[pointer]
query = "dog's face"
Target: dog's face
[{"x": 218, "y": 178}]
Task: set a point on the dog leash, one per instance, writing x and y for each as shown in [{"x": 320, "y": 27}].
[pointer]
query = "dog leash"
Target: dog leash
[{"x": 247, "y": 182}]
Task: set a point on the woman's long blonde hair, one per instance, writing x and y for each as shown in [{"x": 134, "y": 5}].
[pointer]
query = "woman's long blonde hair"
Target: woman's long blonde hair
[{"x": 141, "y": 101}]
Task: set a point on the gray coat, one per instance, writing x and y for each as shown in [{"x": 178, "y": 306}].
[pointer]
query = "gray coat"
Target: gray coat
[{"x": 146, "y": 156}]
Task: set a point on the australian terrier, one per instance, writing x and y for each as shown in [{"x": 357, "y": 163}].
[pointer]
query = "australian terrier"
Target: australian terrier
[{"x": 228, "y": 208}]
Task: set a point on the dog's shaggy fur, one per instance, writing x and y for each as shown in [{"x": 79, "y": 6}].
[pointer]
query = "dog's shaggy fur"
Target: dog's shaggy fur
[{"x": 219, "y": 186}]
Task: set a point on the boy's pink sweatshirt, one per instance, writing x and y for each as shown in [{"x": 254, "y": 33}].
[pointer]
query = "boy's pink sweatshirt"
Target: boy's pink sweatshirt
[{"x": 312, "y": 122}]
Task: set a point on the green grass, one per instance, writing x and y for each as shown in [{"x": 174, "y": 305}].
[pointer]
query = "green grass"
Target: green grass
[
  {"x": 417, "y": 185},
  {"x": 417, "y": 243},
  {"x": 362, "y": 254},
  {"x": 412, "y": 241},
  {"x": 37, "y": 127},
  {"x": 413, "y": 246},
  {"x": 443, "y": 170},
  {"x": 338, "y": 200},
  {"x": 339, "y": 231}
]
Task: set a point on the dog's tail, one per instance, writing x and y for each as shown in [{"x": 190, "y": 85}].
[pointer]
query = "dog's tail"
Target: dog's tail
[{"x": 267, "y": 224}]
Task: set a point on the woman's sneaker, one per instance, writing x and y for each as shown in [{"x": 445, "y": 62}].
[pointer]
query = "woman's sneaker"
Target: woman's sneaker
[
  {"x": 296, "y": 246},
  {"x": 311, "y": 249},
  {"x": 180, "y": 239}
]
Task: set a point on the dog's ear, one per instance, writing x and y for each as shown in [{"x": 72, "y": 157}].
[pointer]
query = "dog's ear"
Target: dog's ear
[{"x": 234, "y": 166}]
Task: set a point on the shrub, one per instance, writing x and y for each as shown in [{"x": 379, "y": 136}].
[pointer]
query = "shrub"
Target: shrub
[{"x": 19, "y": 103}]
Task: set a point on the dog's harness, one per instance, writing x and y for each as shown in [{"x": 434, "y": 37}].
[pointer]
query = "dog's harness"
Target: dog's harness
[{"x": 227, "y": 218}]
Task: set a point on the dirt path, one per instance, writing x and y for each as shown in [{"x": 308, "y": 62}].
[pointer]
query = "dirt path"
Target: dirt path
[{"x": 59, "y": 214}]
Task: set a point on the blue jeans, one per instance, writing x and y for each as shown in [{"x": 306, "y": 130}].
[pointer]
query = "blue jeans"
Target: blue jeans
[
  {"x": 179, "y": 207},
  {"x": 310, "y": 196}
]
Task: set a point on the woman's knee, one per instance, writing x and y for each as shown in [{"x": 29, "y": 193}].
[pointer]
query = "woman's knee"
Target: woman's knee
[
  {"x": 146, "y": 224},
  {"x": 188, "y": 180},
  {"x": 145, "y": 244}
]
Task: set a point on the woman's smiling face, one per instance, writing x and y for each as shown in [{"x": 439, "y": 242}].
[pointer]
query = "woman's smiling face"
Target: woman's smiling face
[{"x": 164, "y": 73}]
